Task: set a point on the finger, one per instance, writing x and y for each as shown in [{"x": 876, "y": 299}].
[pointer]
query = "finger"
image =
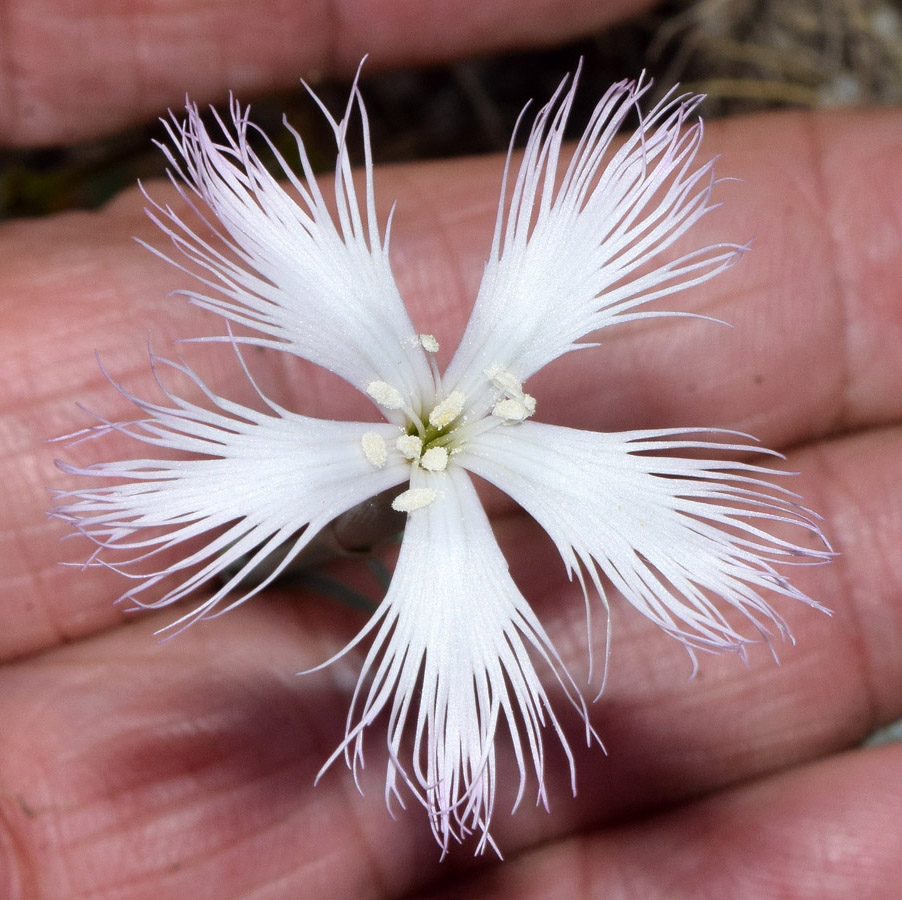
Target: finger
[
  {"x": 669, "y": 737},
  {"x": 188, "y": 769},
  {"x": 140, "y": 59},
  {"x": 211, "y": 744},
  {"x": 78, "y": 283},
  {"x": 825, "y": 832},
  {"x": 814, "y": 306}
]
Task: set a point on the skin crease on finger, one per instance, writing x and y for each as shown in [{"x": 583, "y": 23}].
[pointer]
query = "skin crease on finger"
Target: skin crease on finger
[
  {"x": 812, "y": 350},
  {"x": 827, "y": 832},
  {"x": 144, "y": 53},
  {"x": 197, "y": 756},
  {"x": 825, "y": 317}
]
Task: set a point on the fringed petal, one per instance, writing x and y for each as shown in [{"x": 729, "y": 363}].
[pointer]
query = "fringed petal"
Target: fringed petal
[
  {"x": 574, "y": 252},
  {"x": 281, "y": 263},
  {"x": 682, "y": 538},
  {"x": 451, "y": 661},
  {"x": 253, "y": 483}
]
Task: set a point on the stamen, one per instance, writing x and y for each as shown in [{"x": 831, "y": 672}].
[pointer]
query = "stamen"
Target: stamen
[
  {"x": 511, "y": 410},
  {"x": 517, "y": 405},
  {"x": 429, "y": 343},
  {"x": 374, "y": 448},
  {"x": 410, "y": 446},
  {"x": 504, "y": 380},
  {"x": 448, "y": 410},
  {"x": 413, "y": 499},
  {"x": 435, "y": 459},
  {"x": 385, "y": 395}
]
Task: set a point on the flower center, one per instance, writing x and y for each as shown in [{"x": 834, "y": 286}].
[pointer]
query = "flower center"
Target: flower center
[
  {"x": 430, "y": 441},
  {"x": 427, "y": 441}
]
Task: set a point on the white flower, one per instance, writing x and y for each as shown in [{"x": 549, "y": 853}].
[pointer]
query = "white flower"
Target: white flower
[{"x": 579, "y": 245}]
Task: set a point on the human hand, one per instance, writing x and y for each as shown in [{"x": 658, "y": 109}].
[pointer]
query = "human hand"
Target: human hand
[
  {"x": 139, "y": 58},
  {"x": 142, "y": 769}
]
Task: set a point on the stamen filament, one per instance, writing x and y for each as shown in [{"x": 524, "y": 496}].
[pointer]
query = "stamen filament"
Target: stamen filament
[
  {"x": 430, "y": 345},
  {"x": 417, "y": 423}
]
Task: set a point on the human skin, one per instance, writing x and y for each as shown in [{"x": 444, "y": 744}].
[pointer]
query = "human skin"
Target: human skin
[
  {"x": 136, "y": 58},
  {"x": 131, "y": 768}
]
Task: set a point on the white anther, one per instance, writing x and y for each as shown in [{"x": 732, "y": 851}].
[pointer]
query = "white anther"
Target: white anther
[
  {"x": 448, "y": 410},
  {"x": 517, "y": 405},
  {"x": 511, "y": 410},
  {"x": 385, "y": 395},
  {"x": 412, "y": 499},
  {"x": 435, "y": 459},
  {"x": 430, "y": 344},
  {"x": 410, "y": 446},
  {"x": 504, "y": 380},
  {"x": 374, "y": 448}
]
